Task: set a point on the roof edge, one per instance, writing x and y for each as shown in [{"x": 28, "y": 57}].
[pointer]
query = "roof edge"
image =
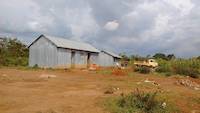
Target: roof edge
[
  {"x": 110, "y": 54},
  {"x": 42, "y": 35},
  {"x": 46, "y": 37},
  {"x": 35, "y": 40}
]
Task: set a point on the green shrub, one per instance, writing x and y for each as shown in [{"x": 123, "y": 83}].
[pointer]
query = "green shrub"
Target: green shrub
[
  {"x": 164, "y": 66},
  {"x": 143, "y": 69},
  {"x": 138, "y": 102}
]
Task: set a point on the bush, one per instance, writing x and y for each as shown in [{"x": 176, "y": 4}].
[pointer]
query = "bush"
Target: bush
[
  {"x": 164, "y": 66},
  {"x": 143, "y": 69},
  {"x": 138, "y": 102}
]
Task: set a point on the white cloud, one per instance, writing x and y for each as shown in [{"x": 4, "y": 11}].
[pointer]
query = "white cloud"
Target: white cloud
[
  {"x": 80, "y": 21},
  {"x": 184, "y": 6},
  {"x": 111, "y": 26},
  {"x": 140, "y": 26}
]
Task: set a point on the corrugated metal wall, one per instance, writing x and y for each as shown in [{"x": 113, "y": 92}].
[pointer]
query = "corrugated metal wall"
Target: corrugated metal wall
[
  {"x": 80, "y": 59},
  {"x": 64, "y": 58},
  {"x": 105, "y": 59},
  {"x": 94, "y": 58},
  {"x": 43, "y": 53}
]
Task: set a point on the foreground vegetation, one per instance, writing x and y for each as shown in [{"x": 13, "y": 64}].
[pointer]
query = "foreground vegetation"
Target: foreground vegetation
[{"x": 139, "y": 102}]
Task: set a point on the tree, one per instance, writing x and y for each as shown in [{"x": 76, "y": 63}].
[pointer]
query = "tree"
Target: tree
[
  {"x": 124, "y": 56},
  {"x": 171, "y": 56},
  {"x": 160, "y": 56},
  {"x": 198, "y": 57},
  {"x": 13, "y": 52}
]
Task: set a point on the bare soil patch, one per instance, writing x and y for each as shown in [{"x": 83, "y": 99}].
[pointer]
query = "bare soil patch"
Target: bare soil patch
[{"x": 76, "y": 91}]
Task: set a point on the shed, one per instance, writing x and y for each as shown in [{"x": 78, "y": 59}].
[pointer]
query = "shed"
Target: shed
[
  {"x": 108, "y": 58},
  {"x": 54, "y": 52}
]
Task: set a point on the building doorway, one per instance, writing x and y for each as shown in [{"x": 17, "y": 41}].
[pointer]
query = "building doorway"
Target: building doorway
[
  {"x": 73, "y": 59},
  {"x": 88, "y": 60}
]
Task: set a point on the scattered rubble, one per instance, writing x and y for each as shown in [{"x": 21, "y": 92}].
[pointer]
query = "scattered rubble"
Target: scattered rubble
[
  {"x": 188, "y": 83},
  {"x": 47, "y": 76}
]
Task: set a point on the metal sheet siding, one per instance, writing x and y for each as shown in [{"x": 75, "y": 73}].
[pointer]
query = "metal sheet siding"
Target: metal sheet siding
[
  {"x": 94, "y": 58},
  {"x": 80, "y": 59},
  {"x": 64, "y": 58},
  {"x": 105, "y": 59},
  {"x": 65, "y": 43},
  {"x": 43, "y": 53}
]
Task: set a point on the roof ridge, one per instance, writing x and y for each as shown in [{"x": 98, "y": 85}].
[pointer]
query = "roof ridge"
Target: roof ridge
[{"x": 67, "y": 43}]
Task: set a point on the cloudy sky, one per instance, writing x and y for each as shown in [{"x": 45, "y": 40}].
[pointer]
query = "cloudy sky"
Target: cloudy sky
[{"x": 132, "y": 26}]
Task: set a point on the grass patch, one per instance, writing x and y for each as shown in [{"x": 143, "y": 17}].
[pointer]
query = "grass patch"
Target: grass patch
[
  {"x": 105, "y": 72},
  {"x": 184, "y": 67},
  {"x": 139, "y": 102}
]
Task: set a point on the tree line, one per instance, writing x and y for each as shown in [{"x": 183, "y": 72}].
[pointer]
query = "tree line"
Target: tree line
[{"x": 13, "y": 52}]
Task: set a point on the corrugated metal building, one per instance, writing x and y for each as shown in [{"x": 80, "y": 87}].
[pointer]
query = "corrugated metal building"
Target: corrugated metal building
[
  {"x": 107, "y": 58},
  {"x": 47, "y": 51}
]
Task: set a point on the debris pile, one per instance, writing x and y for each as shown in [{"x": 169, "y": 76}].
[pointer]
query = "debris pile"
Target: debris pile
[{"x": 188, "y": 83}]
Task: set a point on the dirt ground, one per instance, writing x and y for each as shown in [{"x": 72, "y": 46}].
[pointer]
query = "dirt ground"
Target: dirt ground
[{"x": 82, "y": 91}]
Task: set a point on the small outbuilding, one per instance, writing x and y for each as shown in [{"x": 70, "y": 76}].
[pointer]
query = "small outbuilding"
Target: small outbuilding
[
  {"x": 108, "y": 58},
  {"x": 53, "y": 52}
]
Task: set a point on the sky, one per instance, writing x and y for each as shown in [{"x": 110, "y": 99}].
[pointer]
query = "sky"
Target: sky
[{"x": 139, "y": 27}]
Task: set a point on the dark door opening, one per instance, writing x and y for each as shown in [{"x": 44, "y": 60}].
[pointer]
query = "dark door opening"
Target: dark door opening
[
  {"x": 88, "y": 60},
  {"x": 73, "y": 59}
]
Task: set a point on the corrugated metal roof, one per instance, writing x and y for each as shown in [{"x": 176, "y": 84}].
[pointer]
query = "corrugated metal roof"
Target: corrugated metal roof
[
  {"x": 65, "y": 43},
  {"x": 112, "y": 54}
]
